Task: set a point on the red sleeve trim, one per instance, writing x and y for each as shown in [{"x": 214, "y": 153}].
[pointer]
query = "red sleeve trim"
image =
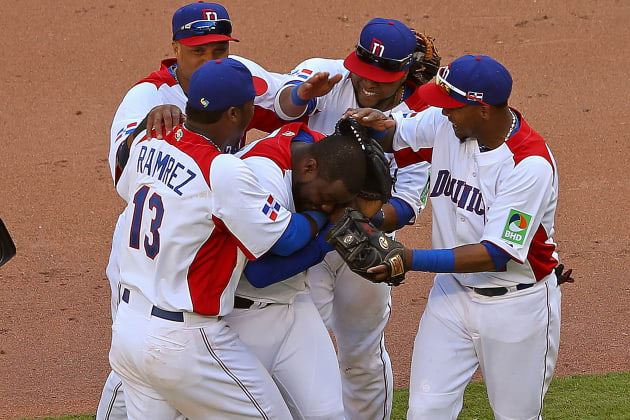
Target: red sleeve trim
[
  {"x": 526, "y": 142},
  {"x": 278, "y": 147},
  {"x": 221, "y": 226},
  {"x": 405, "y": 157}
]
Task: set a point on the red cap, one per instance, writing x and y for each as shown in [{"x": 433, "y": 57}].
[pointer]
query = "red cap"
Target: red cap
[
  {"x": 205, "y": 39},
  {"x": 435, "y": 95},
  {"x": 370, "y": 72}
]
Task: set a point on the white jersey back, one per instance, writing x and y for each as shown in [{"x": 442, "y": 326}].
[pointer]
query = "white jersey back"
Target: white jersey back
[
  {"x": 410, "y": 170},
  {"x": 270, "y": 160},
  {"x": 506, "y": 196},
  {"x": 194, "y": 216}
]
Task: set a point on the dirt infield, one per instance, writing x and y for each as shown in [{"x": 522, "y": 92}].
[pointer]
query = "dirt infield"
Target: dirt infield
[{"x": 68, "y": 66}]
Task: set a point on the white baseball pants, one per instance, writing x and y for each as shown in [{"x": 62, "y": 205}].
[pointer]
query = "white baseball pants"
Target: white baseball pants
[
  {"x": 357, "y": 312},
  {"x": 293, "y": 344},
  {"x": 512, "y": 338},
  {"x": 197, "y": 368}
]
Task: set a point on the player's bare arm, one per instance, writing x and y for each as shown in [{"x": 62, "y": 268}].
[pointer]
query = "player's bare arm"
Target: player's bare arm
[
  {"x": 318, "y": 85},
  {"x": 471, "y": 258}
]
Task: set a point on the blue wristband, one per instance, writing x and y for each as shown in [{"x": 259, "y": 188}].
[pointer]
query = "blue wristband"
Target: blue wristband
[
  {"x": 295, "y": 98},
  {"x": 376, "y": 134},
  {"x": 378, "y": 219},
  {"x": 433, "y": 260},
  {"x": 319, "y": 217}
]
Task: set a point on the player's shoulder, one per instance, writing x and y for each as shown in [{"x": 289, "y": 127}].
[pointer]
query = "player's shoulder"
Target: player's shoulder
[
  {"x": 163, "y": 76},
  {"x": 251, "y": 65},
  {"x": 527, "y": 143},
  {"x": 226, "y": 169}
]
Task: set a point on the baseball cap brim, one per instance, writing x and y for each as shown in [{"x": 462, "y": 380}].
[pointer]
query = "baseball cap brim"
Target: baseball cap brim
[
  {"x": 205, "y": 39},
  {"x": 434, "y": 95},
  {"x": 370, "y": 72}
]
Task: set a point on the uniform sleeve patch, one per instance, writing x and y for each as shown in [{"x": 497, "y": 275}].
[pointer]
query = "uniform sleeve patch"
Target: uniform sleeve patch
[
  {"x": 271, "y": 208},
  {"x": 516, "y": 227}
]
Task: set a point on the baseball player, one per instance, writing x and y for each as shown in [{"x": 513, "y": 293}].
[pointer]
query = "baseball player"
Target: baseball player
[
  {"x": 194, "y": 217},
  {"x": 201, "y": 32},
  {"x": 382, "y": 72},
  {"x": 275, "y": 319},
  {"x": 495, "y": 303}
]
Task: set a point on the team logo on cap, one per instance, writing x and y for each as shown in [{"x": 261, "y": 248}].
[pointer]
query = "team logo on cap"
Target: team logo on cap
[
  {"x": 516, "y": 227},
  {"x": 204, "y": 102},
  {"x": 210, "y": 14},
  {"x": 377, "y": 47}
]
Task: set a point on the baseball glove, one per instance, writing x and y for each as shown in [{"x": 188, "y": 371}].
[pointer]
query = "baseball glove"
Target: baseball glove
[
  {"x": 7, "y": 247},
  {"x": 378, "y": 181},
  {"x": 426, "y": 60},
  {"x": 563, "y": 276},
  {"x": 362, "y": 246}
]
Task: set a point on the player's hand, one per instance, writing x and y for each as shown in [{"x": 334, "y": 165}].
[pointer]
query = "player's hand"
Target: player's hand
[
  {"x": 318, "y": 85},
  {"x": 164, "y": 118},
  {"x": 365, "y": 206},
  {"x": 381, "y": 271},
  {"x": 369, "y": 117},
  {"x": 338, "y": 211}
]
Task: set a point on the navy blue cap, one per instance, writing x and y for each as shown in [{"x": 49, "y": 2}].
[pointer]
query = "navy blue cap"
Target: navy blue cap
[
  {"x": 469, "y": 80},
  {"x": 220, "y": 84},
  {"x": 202, "y": 23},
  {"x": 382, "y": 43}
]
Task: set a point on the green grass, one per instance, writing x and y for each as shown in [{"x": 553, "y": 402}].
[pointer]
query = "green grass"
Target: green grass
[{"x": 575, "y": 397}]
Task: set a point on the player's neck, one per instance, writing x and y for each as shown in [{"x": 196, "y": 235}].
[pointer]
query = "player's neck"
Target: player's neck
[
  {"x": 183, "y": 82},
  {"x": 393, "y": 101},
  {"x": 499, "y": 129},
  {"x": 206, "y": 131}
]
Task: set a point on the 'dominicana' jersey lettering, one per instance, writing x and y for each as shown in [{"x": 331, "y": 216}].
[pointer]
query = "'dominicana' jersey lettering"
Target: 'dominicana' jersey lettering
[{"x": 506, "y": 196}]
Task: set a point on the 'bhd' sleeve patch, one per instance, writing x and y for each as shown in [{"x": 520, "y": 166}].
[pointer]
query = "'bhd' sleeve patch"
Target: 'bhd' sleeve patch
[{"x": 516, "y": 227}]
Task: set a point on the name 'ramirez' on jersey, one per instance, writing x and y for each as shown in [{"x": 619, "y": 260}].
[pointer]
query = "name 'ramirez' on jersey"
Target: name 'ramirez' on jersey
[{"x": 164, "y": 168}]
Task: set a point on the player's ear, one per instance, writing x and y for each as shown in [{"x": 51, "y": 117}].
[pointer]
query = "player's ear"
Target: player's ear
[
  {"x": 310, "y": 168},
  {"x": 484, "y": 111},
  {"x": 233, "y": 114},
  {"x": 175, "y": 45}
]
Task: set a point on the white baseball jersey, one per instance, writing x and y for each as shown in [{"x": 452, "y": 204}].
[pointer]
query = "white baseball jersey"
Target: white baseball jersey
[
  {"x": 506, "y": 196},
  {"x": 411, "y": 170},
  {"x": 194, "y": 216},
  {"x": 161, "y": 88},
  {"x": 270, "y": 160}
]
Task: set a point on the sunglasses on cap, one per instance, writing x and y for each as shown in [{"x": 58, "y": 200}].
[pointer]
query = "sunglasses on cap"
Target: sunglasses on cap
[
  {"x": 389, "y": 64},
  {"x": 208, "y": 27},
  {"x": 440, "y": 80}
]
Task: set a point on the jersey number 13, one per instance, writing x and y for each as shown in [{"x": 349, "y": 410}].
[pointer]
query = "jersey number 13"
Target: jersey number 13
[{"x": 151, "y": 245}]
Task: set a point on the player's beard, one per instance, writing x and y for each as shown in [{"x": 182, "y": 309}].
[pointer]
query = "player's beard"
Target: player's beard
[{"x": 384, "y": 104}]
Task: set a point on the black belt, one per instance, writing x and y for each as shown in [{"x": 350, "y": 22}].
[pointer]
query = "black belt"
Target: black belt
[
  {"x": 242, "y": 303},
  {"x": 155, "y": 311},
  {"x": 498, "y": 291}
]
